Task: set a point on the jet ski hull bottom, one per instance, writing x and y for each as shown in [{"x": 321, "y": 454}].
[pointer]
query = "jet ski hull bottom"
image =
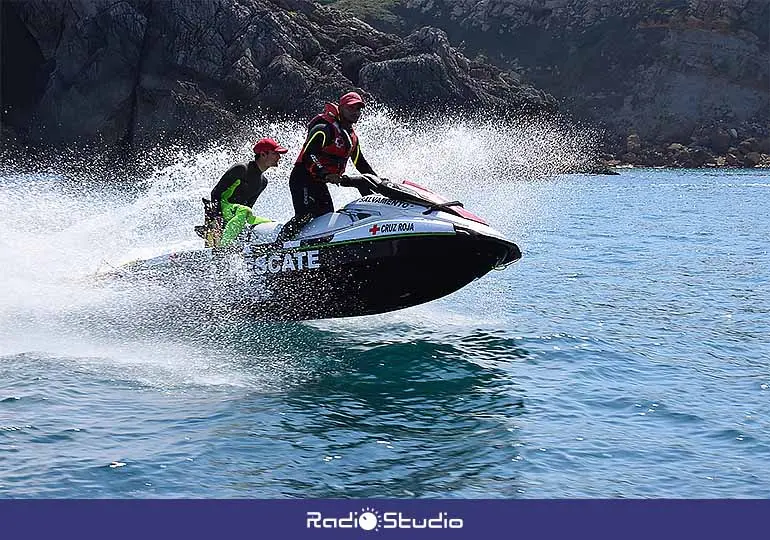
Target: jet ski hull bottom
[{"x": 375, "y": 277}]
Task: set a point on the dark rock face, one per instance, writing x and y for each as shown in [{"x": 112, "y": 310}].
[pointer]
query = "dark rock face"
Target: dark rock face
[
  {"x": 667, "y": 70},
  {"x": 417, "y": 79},
  {"x": 138, "y": 72},
  {"x": 441, "y": 76}
]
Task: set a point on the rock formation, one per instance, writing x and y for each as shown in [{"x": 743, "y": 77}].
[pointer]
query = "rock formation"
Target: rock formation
[
  {"x": 136, "y": 72},
  {"x": 693, "y": 72}
]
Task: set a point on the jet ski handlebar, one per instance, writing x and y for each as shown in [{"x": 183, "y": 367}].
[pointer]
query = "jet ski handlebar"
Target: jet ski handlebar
[{"x": 370, "y": 183}]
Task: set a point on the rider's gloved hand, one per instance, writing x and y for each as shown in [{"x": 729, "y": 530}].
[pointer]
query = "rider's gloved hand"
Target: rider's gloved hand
[{"x": 332, "y": 178}]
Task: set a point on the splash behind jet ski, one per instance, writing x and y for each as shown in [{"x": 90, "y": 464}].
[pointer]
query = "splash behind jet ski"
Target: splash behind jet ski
[{"x": 398, "y": 246}]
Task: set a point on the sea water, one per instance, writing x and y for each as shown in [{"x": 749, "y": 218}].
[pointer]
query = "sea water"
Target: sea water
[{"x": 626, "y": 355}]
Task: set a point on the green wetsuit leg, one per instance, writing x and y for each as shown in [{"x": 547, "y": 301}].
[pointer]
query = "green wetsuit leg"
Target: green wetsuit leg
[
  {"x": 240, "y": 216},
  {"x": 235, "y": 224}
]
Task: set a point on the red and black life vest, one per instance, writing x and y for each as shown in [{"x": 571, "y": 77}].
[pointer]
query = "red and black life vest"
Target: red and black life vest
[{"x": 337, "y": 149}]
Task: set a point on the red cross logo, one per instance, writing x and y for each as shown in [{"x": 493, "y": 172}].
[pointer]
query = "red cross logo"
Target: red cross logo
[{"x": 374, "y": 229}]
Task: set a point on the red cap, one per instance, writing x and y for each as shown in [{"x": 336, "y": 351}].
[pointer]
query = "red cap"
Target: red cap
[
  {"x": 268, "y": 145},
  {"x": 350, "y": 99}
]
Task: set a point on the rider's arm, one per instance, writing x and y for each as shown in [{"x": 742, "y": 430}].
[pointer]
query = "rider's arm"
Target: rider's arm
[{"x": 360, "y": 161}]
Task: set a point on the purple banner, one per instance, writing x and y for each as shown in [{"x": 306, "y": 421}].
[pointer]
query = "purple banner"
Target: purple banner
[{"x": 451, "y": 519}]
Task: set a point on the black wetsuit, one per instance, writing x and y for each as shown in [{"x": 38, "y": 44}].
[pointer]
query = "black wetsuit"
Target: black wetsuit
[
  {"x": 234, "y": 195},
  {"x": 309, "y": 192},
  {"x": 251, "y": 183}
]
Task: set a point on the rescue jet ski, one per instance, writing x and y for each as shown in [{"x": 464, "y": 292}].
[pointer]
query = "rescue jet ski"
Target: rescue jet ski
[{"x": 397, "y": 246}]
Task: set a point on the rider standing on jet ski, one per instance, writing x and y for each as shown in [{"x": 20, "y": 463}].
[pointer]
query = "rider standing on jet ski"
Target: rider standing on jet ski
[
  {"x": 330, "y": 142},
  {"x": 238, "y": 189}
]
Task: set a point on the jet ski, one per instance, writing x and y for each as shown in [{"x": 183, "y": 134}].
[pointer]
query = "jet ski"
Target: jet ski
[{"x": 397, "y": 246}]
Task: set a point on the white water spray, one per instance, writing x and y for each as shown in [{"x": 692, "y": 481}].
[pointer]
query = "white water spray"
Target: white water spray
[{"x": 57, "y": 231}]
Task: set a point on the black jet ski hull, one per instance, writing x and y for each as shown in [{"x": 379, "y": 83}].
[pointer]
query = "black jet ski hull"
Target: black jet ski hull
[{"x": 365, "y": 278}]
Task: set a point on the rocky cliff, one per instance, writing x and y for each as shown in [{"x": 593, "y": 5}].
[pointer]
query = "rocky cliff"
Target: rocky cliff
[
  {"x": 691, "y": 73},
  {"x": 136, "y": 72}
]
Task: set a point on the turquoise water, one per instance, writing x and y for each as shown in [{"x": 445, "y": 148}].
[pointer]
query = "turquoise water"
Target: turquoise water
[{"x": 626, "y": 355}]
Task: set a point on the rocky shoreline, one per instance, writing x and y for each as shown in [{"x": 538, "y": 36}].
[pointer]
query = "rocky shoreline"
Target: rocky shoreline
[
  {"x": 747, "y": 153},
  {"x": 132, "y": 75},
  {"x": 669, "y": 83}
]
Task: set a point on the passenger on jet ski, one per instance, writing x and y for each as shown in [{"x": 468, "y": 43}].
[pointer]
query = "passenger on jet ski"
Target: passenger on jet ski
[
  {"x": 331, "y": 141},
  {"x": 236, "y": 192}
]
